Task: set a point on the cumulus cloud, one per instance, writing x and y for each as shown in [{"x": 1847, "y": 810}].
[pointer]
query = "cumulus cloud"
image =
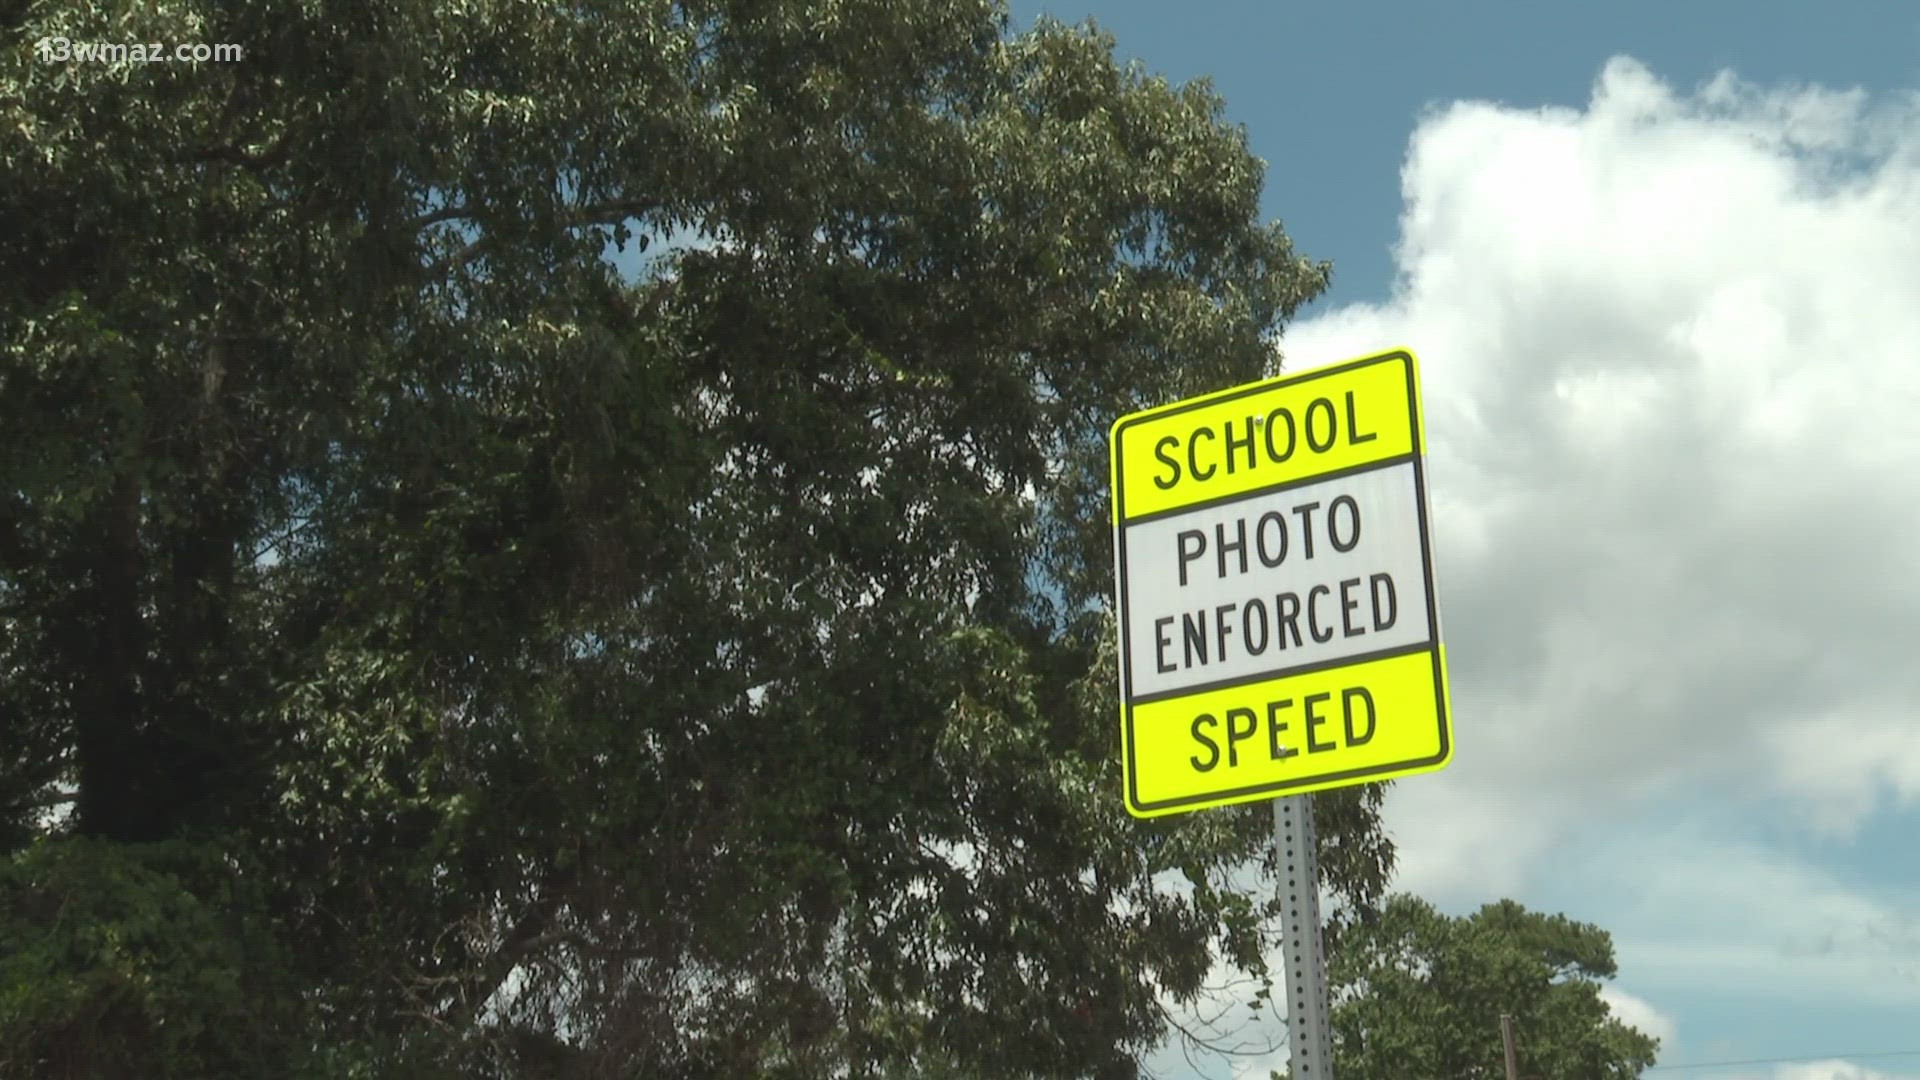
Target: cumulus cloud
[
  {"x": 1674, "y": 431},
  {"x": 1639, "y": 1014},
  {"x": 1668, "y": 349}
]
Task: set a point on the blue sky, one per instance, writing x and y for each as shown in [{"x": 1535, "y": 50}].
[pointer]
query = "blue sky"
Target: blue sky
[
  {"x": 1330, "y": 92},
  {"x": 1661, "y": 263}
]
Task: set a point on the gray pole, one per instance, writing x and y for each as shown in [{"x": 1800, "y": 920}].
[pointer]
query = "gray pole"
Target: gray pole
[
  {"x": 1309, "y": 1031},
  {"x": 1513, "y": 1053}
]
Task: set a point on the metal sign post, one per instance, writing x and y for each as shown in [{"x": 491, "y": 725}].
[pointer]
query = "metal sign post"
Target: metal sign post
[{"x": 1309, "y": 1024}]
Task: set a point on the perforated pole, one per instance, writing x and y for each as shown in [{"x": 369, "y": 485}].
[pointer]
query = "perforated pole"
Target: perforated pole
[{"x": 1309, "y": 1030}]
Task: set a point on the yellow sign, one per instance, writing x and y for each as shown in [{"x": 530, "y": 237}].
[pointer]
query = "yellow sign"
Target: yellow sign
[{"x": 1278, "y": 631}]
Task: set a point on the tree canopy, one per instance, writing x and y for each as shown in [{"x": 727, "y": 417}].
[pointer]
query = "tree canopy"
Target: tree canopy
[
  {"x": 1418, "y": 995},
  {"x": 426, "y": 649}
]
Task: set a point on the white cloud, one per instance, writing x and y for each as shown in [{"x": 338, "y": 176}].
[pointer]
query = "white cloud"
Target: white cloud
[
  {"x": 1639, "y": 1014},
  {"x": 1668, "y": 352},
  {"x": 1668, "y": 348},
  {"x": 1829, "y": 1070}
]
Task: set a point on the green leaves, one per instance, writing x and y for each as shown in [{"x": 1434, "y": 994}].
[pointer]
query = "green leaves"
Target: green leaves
[
  {"x": 1419, "y": 994},
  {"x": 111, "y": 962},
  {"x": 700, "y": 675}
]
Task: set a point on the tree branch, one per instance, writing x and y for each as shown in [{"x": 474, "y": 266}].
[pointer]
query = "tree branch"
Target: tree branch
[
  {"x": 445, "y": 213},
  {"x": 530, "y": 932}
]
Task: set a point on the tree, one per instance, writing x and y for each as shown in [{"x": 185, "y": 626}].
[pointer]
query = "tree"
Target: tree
[
  {"x": 429, "y": 651},
  {"x": 1418, "y": 996}
]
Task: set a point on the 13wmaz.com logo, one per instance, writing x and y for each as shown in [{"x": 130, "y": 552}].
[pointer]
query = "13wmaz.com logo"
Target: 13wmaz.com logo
[{"x": 60, "y": 50}]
